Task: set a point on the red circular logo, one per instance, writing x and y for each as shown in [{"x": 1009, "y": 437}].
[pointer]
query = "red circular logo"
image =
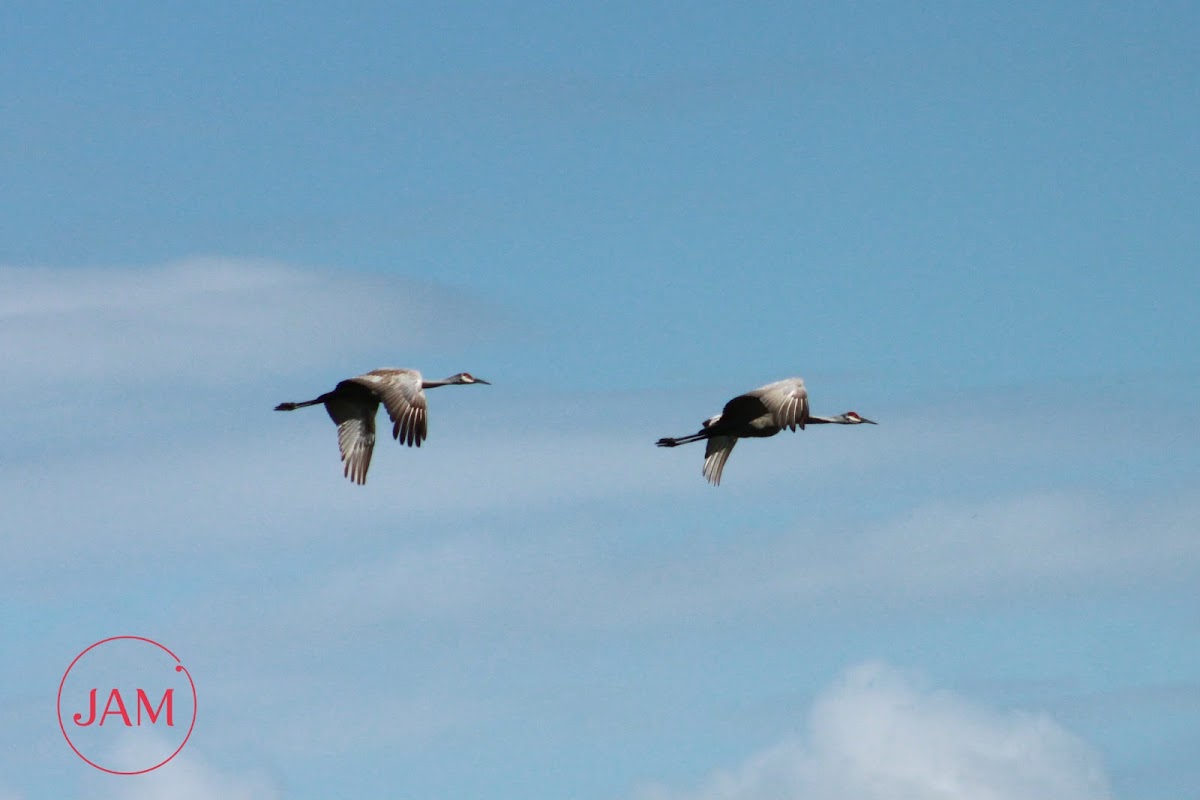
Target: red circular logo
[{"x": 124, "y": 702}]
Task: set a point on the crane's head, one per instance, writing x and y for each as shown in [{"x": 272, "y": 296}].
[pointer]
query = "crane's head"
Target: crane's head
[
  {"x": 466, "y": 377},
  {"x": 853, "y": 418}
]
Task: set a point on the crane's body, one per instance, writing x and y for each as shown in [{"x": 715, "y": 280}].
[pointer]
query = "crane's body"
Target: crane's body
[
  {"x": 353, "y": 403},
  {"x": 765, "y": 411}
]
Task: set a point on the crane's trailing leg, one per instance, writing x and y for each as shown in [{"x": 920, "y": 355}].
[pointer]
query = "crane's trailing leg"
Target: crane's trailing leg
[
  {"x": 294, "y": 406},
  {"x": 669, "y": 441}
]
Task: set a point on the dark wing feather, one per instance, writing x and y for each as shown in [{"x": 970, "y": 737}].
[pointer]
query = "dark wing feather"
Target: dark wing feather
[{"x": 742, "y": 409}]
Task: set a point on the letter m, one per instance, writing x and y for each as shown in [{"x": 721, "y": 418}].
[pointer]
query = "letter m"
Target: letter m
[{"x": 168, "y": 700}]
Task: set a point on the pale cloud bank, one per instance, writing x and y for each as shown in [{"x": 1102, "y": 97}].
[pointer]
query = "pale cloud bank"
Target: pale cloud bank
[
  {"x": 1023, "y": 545},
  {"x": 188, "y": 776},
  {"x": 206, "y": 318},
  {"x": 877, "y": 735}
]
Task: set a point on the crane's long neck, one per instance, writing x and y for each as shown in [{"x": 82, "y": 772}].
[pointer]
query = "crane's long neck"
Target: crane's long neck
[
  {"x": 849, "y": 418},
  {"x": 443, "y": 382}
]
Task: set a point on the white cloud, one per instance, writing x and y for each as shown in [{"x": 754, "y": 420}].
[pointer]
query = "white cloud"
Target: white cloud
[
  {"x": 214, "y": 319},
  {"x": 186, "y": 777},
  {"x": 1019, "y": 542},
  {"x": 968, "y": 552},
  {"x": 874, "y": 735},
  {"x": 273, "y": 481}
]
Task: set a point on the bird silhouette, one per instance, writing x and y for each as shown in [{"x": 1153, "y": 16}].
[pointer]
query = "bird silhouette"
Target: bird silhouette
[
  {"x": 353, "y": 403},
  {"x": 762, "y": 412}
]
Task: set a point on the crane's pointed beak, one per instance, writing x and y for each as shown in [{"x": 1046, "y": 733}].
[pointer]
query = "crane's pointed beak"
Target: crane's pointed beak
[
  {"x": 868, "y": 421},
  {"x": 481, "y": 380}
]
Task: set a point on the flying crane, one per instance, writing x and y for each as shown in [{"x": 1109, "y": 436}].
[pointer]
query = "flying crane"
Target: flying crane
[
  {"x": 353, "y": 403},
  {"x": 763, "y": 412}
]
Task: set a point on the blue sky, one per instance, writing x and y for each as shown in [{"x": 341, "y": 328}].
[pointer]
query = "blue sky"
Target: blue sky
[{"x": 973, "y": 224}]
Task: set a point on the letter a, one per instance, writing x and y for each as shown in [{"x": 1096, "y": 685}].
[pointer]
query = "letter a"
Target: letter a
[{"x": 116, "y": 695}]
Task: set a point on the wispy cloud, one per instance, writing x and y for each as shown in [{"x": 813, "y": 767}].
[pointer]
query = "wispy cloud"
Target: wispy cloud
[
  {"x": 188, "y": 776},
  {"x": 878, "y": 735},
  {"x": 206, "y": 319},
  {"x": 973, "y": 552}
]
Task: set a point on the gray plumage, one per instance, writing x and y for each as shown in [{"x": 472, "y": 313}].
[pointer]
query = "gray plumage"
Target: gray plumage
[{"x": 353, "y": 403}]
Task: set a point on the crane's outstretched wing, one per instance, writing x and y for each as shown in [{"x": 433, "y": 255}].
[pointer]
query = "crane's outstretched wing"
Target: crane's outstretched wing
[
  {"x": 786, "y": 401},
  {"x": 402, "y": 396},
  {"x": 716, "y": 453},
  {"x": 355, "y": 418}
]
